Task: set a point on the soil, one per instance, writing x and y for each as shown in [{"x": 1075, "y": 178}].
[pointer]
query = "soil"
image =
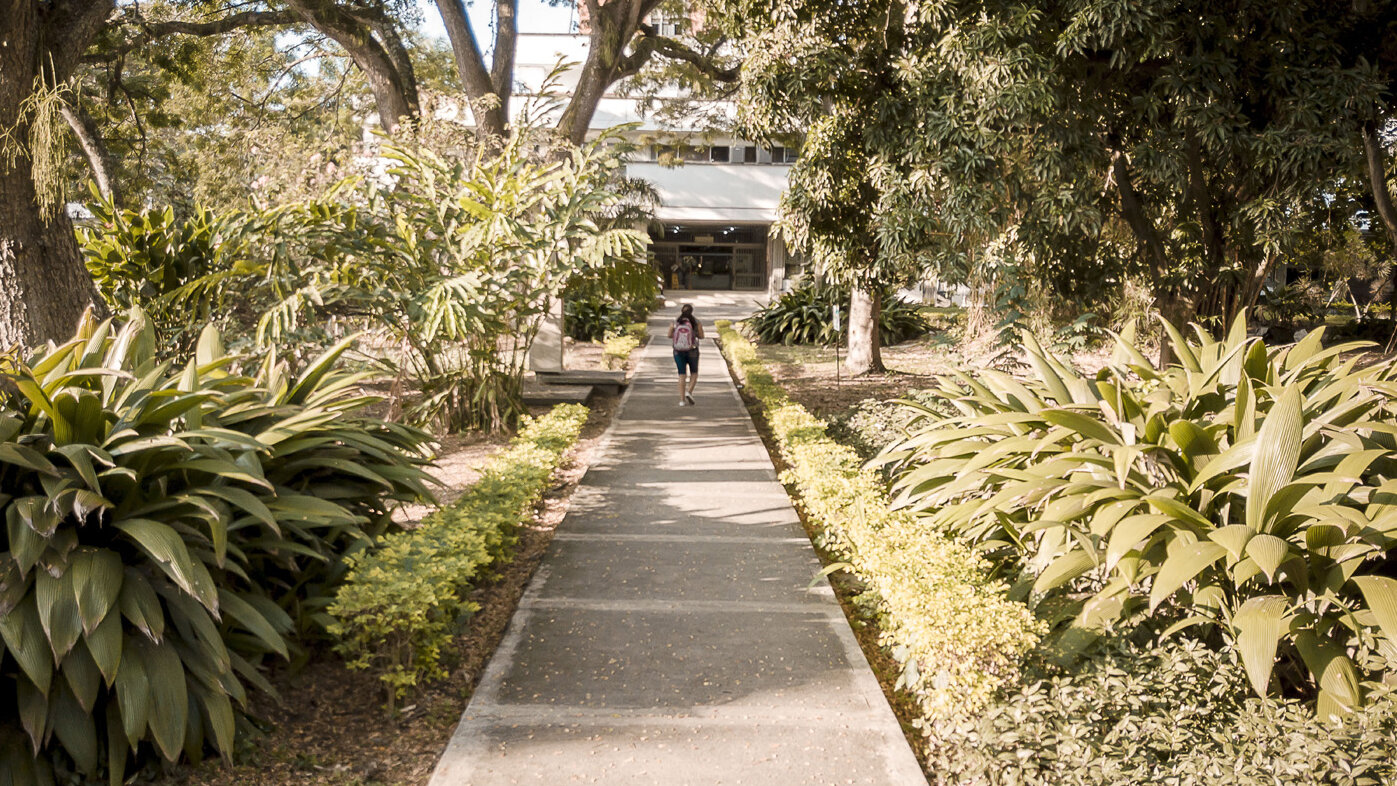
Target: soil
[
  {"x": 811, "y": 378},
  {"x": 331, "y": 727}
]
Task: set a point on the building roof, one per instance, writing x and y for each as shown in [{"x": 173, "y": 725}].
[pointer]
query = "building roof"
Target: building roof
[{"x": 718, "y": 193}]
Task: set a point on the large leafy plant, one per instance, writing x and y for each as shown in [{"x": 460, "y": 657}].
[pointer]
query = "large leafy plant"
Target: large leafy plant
[
  {"x": 1246, "y": 489},
  {"x": 464, "y": 259},
  {"x": 164, "y": 526},
  {"x": 804, "y": 316}
]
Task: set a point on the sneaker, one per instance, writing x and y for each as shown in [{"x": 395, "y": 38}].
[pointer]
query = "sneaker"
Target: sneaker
[
  {"x": 683, "y": 403},
  {"x": 689, "y": 399}
]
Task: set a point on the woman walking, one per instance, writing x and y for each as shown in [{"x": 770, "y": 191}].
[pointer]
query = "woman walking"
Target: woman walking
[{"x": 684, "y": 335}]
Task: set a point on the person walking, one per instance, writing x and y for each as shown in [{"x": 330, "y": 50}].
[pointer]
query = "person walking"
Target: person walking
[{"x": 684, "y": 335}]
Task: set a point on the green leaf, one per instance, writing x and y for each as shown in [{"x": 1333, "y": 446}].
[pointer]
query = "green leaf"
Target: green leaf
[
  {"x": 210, "y": 347},
  {"x": 1333, "y": 672},
  {"x": 1193, "y": 441},
  {"x": 133, "y": 688},
  {"x": 27, "y": 643},
  {"x": 169, "y": 697},
  {"x": 1380, "y": 593},
  {"x": 117, "y": 749},
  {"x": 97, "y": 576},
  {"x": 1064, "y": 569},
  {"x": 83, "y": 676},
  {"x": 1233, "y": 537},
  {"x": 1181, "y": 566},
  {"x": 141, "y": 606},
  {"x": 251, "y": 619},
  {"x": 33, "y": 707},
  {"x": 58, "y": 611},
  {"x": 1277, "y": 455},
  {"x": 1269, "y": 552},
  {"x": 75, "y": 728},
  {"x": 1085, "y": 425},
  {"x": 1258, "y": 625},
  {"x": 162, "y": 544},
  {"x": 104, "y": 643}
]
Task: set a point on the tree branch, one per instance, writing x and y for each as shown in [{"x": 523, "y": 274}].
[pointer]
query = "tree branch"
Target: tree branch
[
  {"x": 652, "y": 43},
  {"x": 220, "y": 26}
]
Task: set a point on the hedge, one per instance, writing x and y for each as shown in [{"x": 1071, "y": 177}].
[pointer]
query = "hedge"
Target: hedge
[
  {"x": 957, "y": 636},
  {"x": 402, "y": 601}
]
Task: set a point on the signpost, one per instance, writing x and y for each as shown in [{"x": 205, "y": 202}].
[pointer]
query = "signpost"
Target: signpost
[{"x": 836, "y": 345}]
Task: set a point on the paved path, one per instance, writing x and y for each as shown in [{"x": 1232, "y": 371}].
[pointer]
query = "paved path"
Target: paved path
[{"x": 669, "y": 635}]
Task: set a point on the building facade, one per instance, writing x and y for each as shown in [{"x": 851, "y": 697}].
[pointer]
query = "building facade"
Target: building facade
[{"x": 714, "y": 226}]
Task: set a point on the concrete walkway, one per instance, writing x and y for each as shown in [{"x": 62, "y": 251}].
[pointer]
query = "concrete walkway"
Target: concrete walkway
[{"x": 669, "y": 636}]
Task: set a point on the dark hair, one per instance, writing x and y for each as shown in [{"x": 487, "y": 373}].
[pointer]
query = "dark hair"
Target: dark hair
[{"x": 686, "y": 314}]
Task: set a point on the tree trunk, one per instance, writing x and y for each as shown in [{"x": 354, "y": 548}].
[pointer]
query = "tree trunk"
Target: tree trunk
[
  {"x": 865, "y": 343},
  {"x": 502, "y": 55},
  {"x": 1377, "y": 180},
  {"x": 95, "y": 150},
  {"x": 1171, "y": 305},
  {"x": 392, "y": 92},
  {"x": 44, "y": 286},
  {"x": 614, "y": 24},
  {"x": 602, "y": 57},
  {"x": 487, "y": 106}
]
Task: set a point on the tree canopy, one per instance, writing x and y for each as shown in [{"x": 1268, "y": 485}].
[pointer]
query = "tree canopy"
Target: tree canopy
[{"x": 1078, "y": 143}]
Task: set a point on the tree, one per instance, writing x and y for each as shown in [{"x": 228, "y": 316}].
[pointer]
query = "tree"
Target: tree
[
  {"x": 1190, "y": 135},
  {"x": 829, "y": 211},
  {"x": 621, "y": 43},
  {"x": 44, "y": 288},
  {"x": 806, "y": 73}
]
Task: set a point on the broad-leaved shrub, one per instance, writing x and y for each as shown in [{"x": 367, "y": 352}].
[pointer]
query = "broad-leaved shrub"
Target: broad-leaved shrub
[
  {"x": 804, "y": 316},
  {"x": 163, "y": 525},
  {"x": 1246, "y": 489}
]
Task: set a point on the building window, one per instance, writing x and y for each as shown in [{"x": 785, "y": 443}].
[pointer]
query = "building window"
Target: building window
[
  {"x": 784, "y": 155},
  {"x": 720, "y": 154}
]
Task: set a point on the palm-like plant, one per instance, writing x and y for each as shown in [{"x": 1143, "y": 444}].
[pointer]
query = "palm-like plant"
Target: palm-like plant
[
  {"x": 460, "y": 261},
  {"x": 1246, "y": 489}
]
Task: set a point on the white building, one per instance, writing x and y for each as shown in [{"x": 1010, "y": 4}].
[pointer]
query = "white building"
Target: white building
[{"x": 718, "y": 196}]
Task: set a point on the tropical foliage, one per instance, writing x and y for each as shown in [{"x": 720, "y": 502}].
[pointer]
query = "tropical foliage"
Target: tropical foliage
[
  {"x": 805, "y": 316},
  {"x": 451, "y": 262},
  {"x": 168, "y": 529},
  {"x": 1244, "y": 492},
  {"x": 404, "y": 599}
]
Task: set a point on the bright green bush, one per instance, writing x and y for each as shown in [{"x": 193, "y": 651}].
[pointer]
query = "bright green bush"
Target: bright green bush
[
  {"x": 1180, "y": 714},
  {"x": 403, "y": 600},
  {"x": 957, "y": 637},
  {"x": 1245, "y": 489},
  {"x": 161, "y": 524},
  {"x": 804, "y": 316},
  {"x": 619, "y": 347}
]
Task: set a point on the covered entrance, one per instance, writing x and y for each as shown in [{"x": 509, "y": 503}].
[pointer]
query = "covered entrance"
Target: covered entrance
[{"x": 701, "y": 256}]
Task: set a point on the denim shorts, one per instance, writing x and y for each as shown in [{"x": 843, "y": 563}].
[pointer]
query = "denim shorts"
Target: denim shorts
[{"x": 687, "y": 359}]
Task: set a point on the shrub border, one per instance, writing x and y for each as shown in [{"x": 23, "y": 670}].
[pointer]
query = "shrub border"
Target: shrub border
[
  {"x": 402, "y": 601},
  {"x": 958, "y": 638}
]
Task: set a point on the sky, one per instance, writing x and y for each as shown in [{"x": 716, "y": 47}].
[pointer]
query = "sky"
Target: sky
[{"x": 535, "y": 16}]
